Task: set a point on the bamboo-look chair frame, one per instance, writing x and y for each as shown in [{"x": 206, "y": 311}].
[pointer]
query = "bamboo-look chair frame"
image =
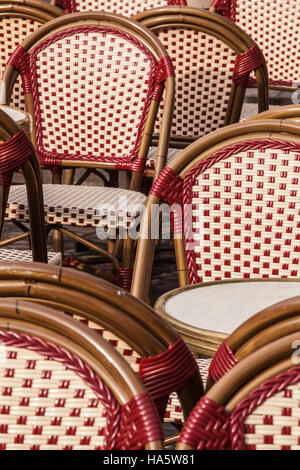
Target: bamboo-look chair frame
[
  {"x": 287, "y": 112},
  {"x": 145, "y": 37},
  {"x": 27, "y": 11},
  {"x": 32, "y": 175},
  {"x": 222, "y": 29},
  {"x": 47, "y": 324},
  {"x": 106, "y": 306},
  {"x": 253, "y": 374},
  {"x": 70, "y": 6},
  {"x": 188, "y": 158},
  {"x": 266, "y": 326},
  {"x": 228, "y": 9}
]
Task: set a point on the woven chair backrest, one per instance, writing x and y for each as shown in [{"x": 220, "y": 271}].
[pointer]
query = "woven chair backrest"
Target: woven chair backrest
[{"x": 123, "y": 7}]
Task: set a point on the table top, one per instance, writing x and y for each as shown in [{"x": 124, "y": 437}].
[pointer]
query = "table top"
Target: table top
[{"x": 223, "y": 306}]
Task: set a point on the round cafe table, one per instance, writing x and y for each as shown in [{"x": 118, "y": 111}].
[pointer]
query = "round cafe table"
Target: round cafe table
[{"x": 205, "y": 314}]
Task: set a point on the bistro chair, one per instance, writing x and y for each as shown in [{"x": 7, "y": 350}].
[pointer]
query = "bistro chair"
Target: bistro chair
[
  {"x": 17, "y": 153},
  {"x": 148, "y": 343},
  {"x": 93, "y": 89},
  {"x": 19, "y": 18},
  {"x": 233, "y": 180},
  {"x": 123, "y": 7},
  {"x": 65, "y": 388},
  {"x": 288, "y": 112},
  {"x": 252, "y": 407},
  {"x": 212, "y": 59},
  {"x": 275, "y": 27}
]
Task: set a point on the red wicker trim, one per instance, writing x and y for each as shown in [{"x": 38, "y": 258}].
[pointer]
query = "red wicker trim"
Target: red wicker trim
[
  {"x": 69, "y": 6},
  {"x": 140, "y": 424},
  {"x": 168, "y": 187},
  {"x": 53, "y": 158},
  {"x": 226, "y": 7},
  {"x": 255, "y": 399},
  {"x": 14, "y": 153},
  {"x": 164, "y": 69},
  {"x": 177, "y": 2},
  {"x": 124, "y": 277},
  {"x": 245, "y": 63},
  {"x": 20, "y": 60},
  {"x": 167, "y": 372},
  {"x": 223, "y": 360},
  {"x": 69, "y": 360},
  {"x": 207, "y": 427},
  {"x": 204, "y": 165}
]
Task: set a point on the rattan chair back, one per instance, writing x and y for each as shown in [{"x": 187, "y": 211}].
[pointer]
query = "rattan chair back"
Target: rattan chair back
[
  {"x": 253, "y": 406},
  {"x": 17, "y": 153},
  {"x": 238, "y": 190},
  {"x": 212, "y": 60},
  {"x": 150, "y": 345},
  {"x": 275, "y": 28},
  {"x": 124, "y": 7},
  {"x": 99, "y": 77},
  {"x": 64, "y": 387},
  {"x": 18, "y": 19}
]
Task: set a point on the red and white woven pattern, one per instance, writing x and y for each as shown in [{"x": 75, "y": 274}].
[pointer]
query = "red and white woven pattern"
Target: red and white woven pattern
[
  {"x": 123, "y": 7},
  {"x": 26, "y": 255},
  {"x": 274, "y": 26},
  {"x": 46, "y": 405},
  {"x": 13, "y": 31},
  {"x": 86, "y": 206},
  {"x": 203, "y": 68},
  {"x": 245, "y": 213},
  {"x": 269, "y": 418},
  {"x": 91, "y": 88},
  {"x": 173, "y": 411}
]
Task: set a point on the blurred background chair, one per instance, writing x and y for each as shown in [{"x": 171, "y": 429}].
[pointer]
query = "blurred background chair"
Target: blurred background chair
[
  {"x": 19, "y": 18},
  {"x": 212, "y": 59},
  {"x": 274, "y": 26},
  {"x": 65, "y": 388},
  {"x": 17, "y": 153},
  {"x": 252, "y": 407},
  {"x": 148, "y": 343},
  {"x": 104, "y": 117}
]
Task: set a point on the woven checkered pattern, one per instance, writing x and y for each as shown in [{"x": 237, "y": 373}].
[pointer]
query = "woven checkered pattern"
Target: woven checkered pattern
[
  {"x": 13, "y": 31},
  {"x": 86, "y": 206},
  {"x": 245, "y": 215},
  {"x": 44, "y": 405},
  {"x": 173, "y": 411},
  {"x": 124, "y": 7},
  {"x": 172, "y": 152},
  {"x": 274, "y": 26},
  {"x": 26, "y": 255},
  {"x": 268, "y": 419},
  {"x": 91, "y": 89},
  {"x": 203, "y": 69}
]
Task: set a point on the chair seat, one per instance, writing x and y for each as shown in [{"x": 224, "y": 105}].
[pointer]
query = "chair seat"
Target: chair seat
[
  {"x": 26, "y": 255},
  {"x": 152, "y": 156},
  {"x": 86, "y": 206}
]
